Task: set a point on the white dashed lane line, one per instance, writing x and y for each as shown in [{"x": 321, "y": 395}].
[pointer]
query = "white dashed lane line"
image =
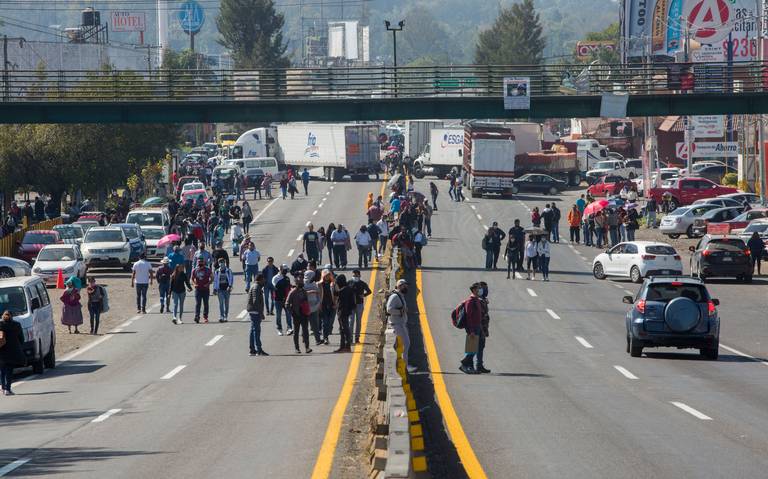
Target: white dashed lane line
[
  {"x": 214, "y": 340},
  {"x": 242, "y": 314},
  {"x": 308, "y": 223},
  {"x": 107, "y": 415},
  {"x": 473, "y": 207},
  {"x": 314, "y": 213},
  {"x": 624, "y": 372},
  {"x": 583, "y": 342},
  {"x": 693, "y": 412},
  {"x": 299, "y": 238},
  {"x": 173, "y": 372},
  {"x": 480, "y": 217},
  {"x": 531, "y": 292},
  {"x": 744, "y": 355},
  {"x": 290, "y": 254},
  {"x": 553, "y": 314},
  {"x": 14, "y": 465}
]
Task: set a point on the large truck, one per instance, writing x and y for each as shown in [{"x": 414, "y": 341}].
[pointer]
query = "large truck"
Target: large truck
[
  {"x": 489, "y": 158},
  {"x": 339, "y": 149},
  {"x": 562, "y": 166},
  {"x": 444, "y": 152},
  {"x": 256, "y": 143},
  {"x": 417, "y": 134},
  {"x": 588, "y": 152}
]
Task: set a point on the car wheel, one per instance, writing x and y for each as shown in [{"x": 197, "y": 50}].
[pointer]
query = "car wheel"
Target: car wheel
[
  {"x": 689, "y": 232},
  {"x": 37, "y": 363},
  {"x": 6, "y": 273},
  {"x": 635, "y": 348},
  {"x": 627, "y": 342},
  {"x": 552, "y": 190},
  {"x": 711, "y": 354},
  {"x": 673, "y": 235},
  {"x": 634, "y": 275},
  {"x": 674, "y": 204},
  {"x": 598, "y": 271},
  {"x": 50, "y": 359},
  {"x": 515, "y": 190}
]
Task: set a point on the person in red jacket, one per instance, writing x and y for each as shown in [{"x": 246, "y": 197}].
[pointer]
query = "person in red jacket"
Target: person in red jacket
[{"x": 473, "y": 324}]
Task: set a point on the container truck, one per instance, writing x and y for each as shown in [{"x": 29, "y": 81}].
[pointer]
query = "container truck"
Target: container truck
[
  {"x": 339, "y": 149},
  {"x": 417, "y": 135},
  {"x": 489, "y": 158},
  {"x": 444, "y": 151},
  {"x": 259, "y": 142},
  {"x": 588, "y": 152},
  {"x": 562, "y": 166}
]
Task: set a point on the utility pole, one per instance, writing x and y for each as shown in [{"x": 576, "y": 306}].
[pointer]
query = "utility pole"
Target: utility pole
[
  {"x": 394, "y": 31},
  {"x": 686, "y": 120},
  {"x": 760, "y": 122}
]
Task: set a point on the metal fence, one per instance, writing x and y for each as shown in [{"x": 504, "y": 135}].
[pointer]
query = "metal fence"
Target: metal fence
[{"x": 380, "y": 82}]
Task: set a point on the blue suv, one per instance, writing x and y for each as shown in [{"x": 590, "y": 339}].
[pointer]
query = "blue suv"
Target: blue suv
[{"x": 676, "y": 312}]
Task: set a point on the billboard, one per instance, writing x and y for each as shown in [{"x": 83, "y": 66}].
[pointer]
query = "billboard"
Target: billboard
[
  {"x": 128, "y": 22},
  {"x": 517, "y": 93},
  {"x": 586, "y": 49},
  {"x": 708, "y": 126},
  {"x": 708, "y": 149}
]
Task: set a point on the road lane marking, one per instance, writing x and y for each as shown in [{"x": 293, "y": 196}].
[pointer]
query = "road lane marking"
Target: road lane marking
[
  {"x": 624, "y": 372},
  {"x": 485, "y": 227},
  {"x": 320, "y": 206},
  {"x": 299, "y": 237},
  {"x": 116, "y": 330},
  {"x": 290, "y": 254},
  {"x": 571, "y": 246},
  {"x": 553, "y": 314},
  {"x": 106, "y": 415},
  {"x": 264, "y": 210},
  {"x": 744, "y": 355},
  {"x": 617, "y": 286},
  {"x": 583, "y": 342},
  {"x": 173, "y": 372},
  {"x": 332, "y": 187},
  {"x": 531, "y": 292},
  {"x": 629, "y": 292},
  {"x": 691, "y": 411},
  {"x": 467, "y": 455},
  {"x": 308, "y": 223},
  {"x": 327, "y": 193},
  {"x": 242, "y": 314},
  {"x": 314, "y": 213},
  {"x": 324, "y": 461},
  {"x": 214, "y": 340},
  {"x": 135, "y": 318},
  {"x": 480, "y": 217},
  {"x": 14, "y": 465},
  {"x": 473, "y": 207}
]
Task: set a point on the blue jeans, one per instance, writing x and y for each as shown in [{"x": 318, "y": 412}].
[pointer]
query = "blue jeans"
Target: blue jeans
[
  {"x": 141, "y": 296},
  {"x": 269, "y": 303},
  {"x": 488, "y": 258},
  {"x": 6, "y": 377},
  {"x": 164, "y": 289},
  {"x": 279, "y": 308},
  {"x": 94, "y": 311},
  {"x": 314, "y": 325},
  {"x": 651, "y": 221},
  {"x": 357, "y": 314},
  {"x": 201, "y": 299},
  {"x": 178, "y": 304},
  {"x": 599, "y": 235},
  {"x": 326, "y": 319},
  {"x": 614, "y": 232},
  {"x": 223, "y": 304},
  {"x": 630, "y": 234},
  {"x": 480, "y": 349},
  {"x": 251, "y": 270},
  {"x": 555, "y": 233},
  {"x": 255, "y": 336}
]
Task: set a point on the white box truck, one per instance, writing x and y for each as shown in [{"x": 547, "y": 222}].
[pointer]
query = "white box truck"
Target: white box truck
[
  {"x": 444, "y": 151},
  {"x": 417, "y": 135},
  {"x": 489, "y": 159},
  {"x": 339, "y": 149}
]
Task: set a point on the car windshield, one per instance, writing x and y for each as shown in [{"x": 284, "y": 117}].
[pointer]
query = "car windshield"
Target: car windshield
[
  {"x": 39, "y": 238},
  {"x": 679, "y": 212},
  {"x": 759, "y": 227},
  {"x": 727, "y": 244},
  {"x": 604, "y": 165},
  {"x": 152, "y": 233},
  {"x": 69, "y": 232},
  {"x": 57, "y": 254},
  {"x": 131, "y": 233},
  {"x": 660, "y": 250},
  {"x": 666, "y": 292},
  {"x": 145, "y": 219},
  {"x": 12, "y": 299},
  {"x": 104, "y": 236}
]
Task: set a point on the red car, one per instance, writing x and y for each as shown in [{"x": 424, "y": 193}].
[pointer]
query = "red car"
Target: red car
[
  {"x": 743, "y": 220},
  {"x": 34, "y": 241},
  {"x": 686, "y": 190},
  {"x": 608, "y": 185}
]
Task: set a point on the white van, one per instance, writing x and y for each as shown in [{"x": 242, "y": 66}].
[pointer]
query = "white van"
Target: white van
[
  {"x": 266, "y": 165},
  {"x": 152, "y": 216},
  {"x": 27, "y": 300}
]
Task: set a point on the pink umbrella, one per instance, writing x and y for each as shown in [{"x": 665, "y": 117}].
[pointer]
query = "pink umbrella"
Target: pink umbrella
[
  {"x": 595, "y": 207},
  {"x": 168, "y": 239}
]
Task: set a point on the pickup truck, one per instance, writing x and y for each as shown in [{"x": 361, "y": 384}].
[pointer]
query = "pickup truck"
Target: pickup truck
[
  {"x": 686, "y": 190},
  {"x": 626, "y": 169},
  {"x": 609, "y": 185}
]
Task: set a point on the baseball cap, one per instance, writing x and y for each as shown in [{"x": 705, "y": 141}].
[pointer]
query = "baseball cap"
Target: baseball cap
[{"x": 401, "y": 282}]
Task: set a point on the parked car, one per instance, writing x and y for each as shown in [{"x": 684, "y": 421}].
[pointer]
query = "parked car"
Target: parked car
[
  {"x": 686, "y": 190},
  {"x": 183, "y": 181},
  {"x": 152, "y": 235},
  {"x": 751, "y": 198},
  {"x": 135, "y": 238},
  {"x": 193, "y": 185},
  {"x": 636, "y": 260},
  {"x": 746, "y": 217},
  {"x": 608, "y": 186},
  {"x": 640, "y": 180},
  {"x": 680, "y": 220},
  {"x": 720, "y": 201},
  {"x": 105, "y": 246},
  {"x": 12, "y": 267},
  {"x": 28, "y": 301},
  {"x": 145, "y": 217},
  {"x": 34, "y": 241},
  {"x": 699, "y": 165},
  {"x": 71, "y": 233},
  {"x": 759, "y": 226},
  {"x": 719, "y": 256},
  {"x": 615, "y": 168},
  {"x": 673, "y": 312},
  {"x": 718, "y": 215},
  {"x": 538, "y": 183},
  {"x": 55, "y": 257}
]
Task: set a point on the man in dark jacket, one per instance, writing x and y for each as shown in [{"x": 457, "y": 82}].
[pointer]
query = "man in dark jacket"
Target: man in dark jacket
[
  {"x": 39, "y": 209},
  {"x": 255, "y": 310},
  {"x": 495, "y": 238},
  {"x": 756, "y": 247},
  {"x": 11, "y": 354},
  {"x": 346, "y": 295},
  {"x": 220, "y": 253},
  {"x": 299, "y": 266},
  {"x": 473, "y": 325},
  {"x": 556, "y": 215},
  {"x": 518, "y": 232}
]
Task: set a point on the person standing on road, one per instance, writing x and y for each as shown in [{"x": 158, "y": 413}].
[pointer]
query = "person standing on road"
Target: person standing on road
[
  {"x": 632, "y": 223},
  {"x": 340, "y": 238},
  {"x": 511, "y": 254},
  {"x": 543, "y": 252},
  {"x": 531, "y": 257},
  {"x": 11, "y": 353},
  {"x": 95, "y": 303},
  {"x": 297, "y": 303},
  {"x": 247, "y": 217},
  {"x": 373, "y": 230},
  {"x": 556, "y": 215},
  {"x": 315, "y": 300},
  {"x": 311, "y": 243},
  {"x": 269, "y": 272},
  {"x": 368, "y": 201},
  {"x": 574, "y": 223},
  {"x": 452, "y": 186},
  {"x": 179, "y": 281},
  {"x": 433, "y": 191},
  {"x": 651, "y": 208},
  {"x": 547, "y": 216},
  {"x": 519, "y": 234},
  {"x": 141, "y": 279},
  {"x": 613, "y": 226},
  {"x": 72, "y": 314},
  {"x": 346, "y": 301},
  {"x": 485, "y": 329},
  {"x": 282, "y": 286},
  {"x": 419, "y": 241},
  {"x": 496, "y": 238},
  {"x": 328, "y": 305},
  {"x": 363, "y": 242},
  {"x": 176, "y": 258},
  {"x": 383, "y": 227},
  {"x": 223, "y": 280},
  {"x": 163, "y": 277},
  {"x": 251, "y": 257},
  {"x": 203, "y": 254},
  {"x": 756, "y": 248},
  {"x": 581, "y": 203},
  {"x": 397, "y": 310},
  {"x": 473, "y": 327},
  {"x": 188, "y": 251},
  {"x": 255, "y": 310},
  {"x": 201, "y": 278},
  {"x": 292, "y": 187},
  {"x": 305, "y": 181},
  {"x": 361, "y": 290},
  {"x": 600, "y": 229}
]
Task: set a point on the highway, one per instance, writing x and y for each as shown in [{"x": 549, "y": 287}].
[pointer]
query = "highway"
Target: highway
[{"x": 152, "y": 399}]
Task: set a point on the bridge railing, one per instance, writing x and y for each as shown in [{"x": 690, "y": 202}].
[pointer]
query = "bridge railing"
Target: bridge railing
[{"x": 379, "y": 82}]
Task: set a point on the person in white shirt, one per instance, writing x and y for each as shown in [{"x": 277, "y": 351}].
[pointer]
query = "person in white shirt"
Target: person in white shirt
[
  {"x": 251, "y": 258},
  {"x": 236, "y": 236},
  {"x": 397, "y": 309},
  {"x": 383, "y": 234},
  {"x": 363, "y": 242},
  {"x": 531, "y": 255},
  {"x": 543, "y": 250},
  {"x": 141, "y": 279}
]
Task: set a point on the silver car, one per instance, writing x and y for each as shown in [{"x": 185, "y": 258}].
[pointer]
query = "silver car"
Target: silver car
[
  {"x": 680, "y": 221},
  {"x": 12, "y": 267}
]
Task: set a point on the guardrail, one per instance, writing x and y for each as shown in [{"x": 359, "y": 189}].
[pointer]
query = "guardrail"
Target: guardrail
[
  {"x": 380, "y": 82},
  {"x": 8, "y": 243}
]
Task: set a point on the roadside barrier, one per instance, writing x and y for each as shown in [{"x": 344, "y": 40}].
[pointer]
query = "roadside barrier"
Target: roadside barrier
[{"x": 8, "y": 243}]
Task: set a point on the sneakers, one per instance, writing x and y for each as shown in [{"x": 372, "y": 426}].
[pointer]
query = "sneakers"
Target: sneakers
[
  {"x": 205, "y": 320},
  {"x": 308, "y": 350},
  {"x": 466, "y": 369},
  {"x": 279, "y": 332},
  {"x": 175, "y": 321},
  {"x": 289, "y": 332},
  {"x": 197, "y": 320},
  {"x": 162, "y": 309},
  {"x": 262, "y": 353},
  {"x": 482, "y": 370},
  {"x": 298, "y": 351},
  {"x": 252, "y": 353}
]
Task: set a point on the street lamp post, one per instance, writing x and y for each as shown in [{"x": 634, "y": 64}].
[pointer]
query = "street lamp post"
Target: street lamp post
[{"x": 394, "y": 31}]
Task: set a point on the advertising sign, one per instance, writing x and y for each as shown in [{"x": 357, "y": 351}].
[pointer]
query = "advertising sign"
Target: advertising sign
[
  {"x": 708, "y": 126},
  {"x": 128, "y": 22},
  {"x": 586, "y": 49},
  {"x": 517, "y": 93},
  {"x": 191, "y": 17},
  {"x": 708, "y": 149}
]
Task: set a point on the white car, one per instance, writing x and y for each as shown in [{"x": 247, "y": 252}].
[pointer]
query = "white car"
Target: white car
[
  {"x": 194, "y": 185},
  {"x": 55, "y": 257},
  {"x": 680, "y": 221},
  {"x": 27, "y": 300},
  {"x": 148, "y": 217},
  {"x": 630, "y": 169},
  {"x": 152, "y": 235},
  {"x": 12, "y": 267},
  {"x": 665, "y": 175},
  {"x": 105, "y": 246},
  {"x": 636, "y": 260}
]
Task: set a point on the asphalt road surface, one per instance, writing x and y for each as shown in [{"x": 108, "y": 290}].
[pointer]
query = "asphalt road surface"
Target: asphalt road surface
[
  {"x": 153, "y": 399},
  {"x": 564, "y": 398}
]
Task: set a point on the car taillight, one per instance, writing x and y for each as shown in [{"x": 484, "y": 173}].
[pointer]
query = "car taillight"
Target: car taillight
[
  {"x": 677, "y": 283},
  {"x": 677, "y": 257},
  {"x": 706, "y": 252},
  {"x": 649, "y": 256},
  {"x": 711, "y": 307},
  {"x": 640, "y": 306},
  {"x": 747, "y": 252}
]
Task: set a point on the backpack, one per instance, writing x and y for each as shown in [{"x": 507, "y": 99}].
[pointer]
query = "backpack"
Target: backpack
[
  {"x": 484, "y": 243},
  {"x": 459, "y": 316},
  {"x": 424, "y": 240},
  {"x": 104, "y": 300}
]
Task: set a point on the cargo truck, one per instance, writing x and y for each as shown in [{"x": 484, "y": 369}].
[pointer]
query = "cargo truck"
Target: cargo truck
[
  {"x": 417, "y": 135},
  {"x": 562, "y": 166},
  {"x": 339, "y": 149},
  {"x": 489, "y": 159},
  {"x": 444, "y": 151}
]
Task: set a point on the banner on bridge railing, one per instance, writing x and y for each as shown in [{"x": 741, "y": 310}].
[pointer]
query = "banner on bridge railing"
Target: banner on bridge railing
[{"x": 517, "y": 93}]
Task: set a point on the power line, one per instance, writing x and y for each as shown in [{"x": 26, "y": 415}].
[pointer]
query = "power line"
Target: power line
[{"x": 21, "y": 5}]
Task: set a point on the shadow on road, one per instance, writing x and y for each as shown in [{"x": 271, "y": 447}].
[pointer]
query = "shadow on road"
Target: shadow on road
[
  {"x": 694, "y": 356},
  {"x": 64, "y": 460}
]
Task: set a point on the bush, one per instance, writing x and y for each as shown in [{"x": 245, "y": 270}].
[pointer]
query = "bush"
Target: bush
[{"x": 730, "y": 179}]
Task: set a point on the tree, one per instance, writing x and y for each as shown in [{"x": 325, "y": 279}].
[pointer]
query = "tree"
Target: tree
[
  {"x": 514, "y": 39},
  {"x": 185, "y": 60},
  {"x": 253, "y": 31},
  {"x": 424, "y": 41}
]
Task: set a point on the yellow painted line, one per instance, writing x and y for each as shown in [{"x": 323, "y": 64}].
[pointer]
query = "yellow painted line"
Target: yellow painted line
[
  {"x": 324, "y": 462},
  {"x": 458, "y": 436}
]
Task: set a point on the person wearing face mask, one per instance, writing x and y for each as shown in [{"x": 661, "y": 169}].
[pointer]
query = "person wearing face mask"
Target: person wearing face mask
[
  {"x": 397, "y": 309},
  {"x": 361, "y": 290},
  {"x": 485, "y": 331},
  {"x": 473, "y": 326},
  {"x": 543, "y": 250},
  {"x": 222, "y": 288},
  {"x": 340, "y": 238}
]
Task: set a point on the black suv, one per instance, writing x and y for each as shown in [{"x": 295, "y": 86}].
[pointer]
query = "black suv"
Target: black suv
[
  {"x": 717, "y": 255},
  {"x": 676, "y": 312}
]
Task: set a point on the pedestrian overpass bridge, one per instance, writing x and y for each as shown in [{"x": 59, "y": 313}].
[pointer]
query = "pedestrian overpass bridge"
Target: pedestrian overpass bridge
[{"x": 373, "y": 93}]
